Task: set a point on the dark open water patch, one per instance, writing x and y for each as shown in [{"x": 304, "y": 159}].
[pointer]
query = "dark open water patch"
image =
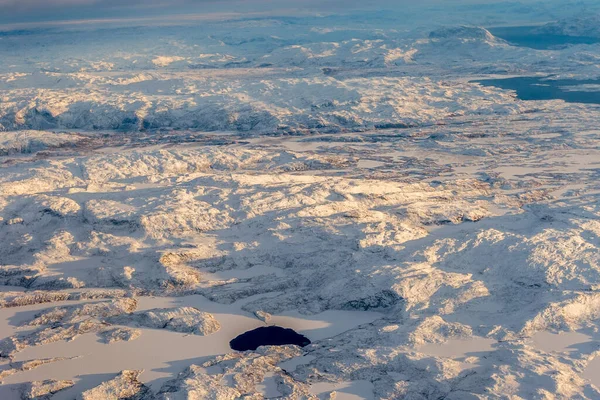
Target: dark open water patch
[
  {"x": 541, "y": 88},
  {"x": 268, "y": 336},
  {"x": 527, "y": 36}
]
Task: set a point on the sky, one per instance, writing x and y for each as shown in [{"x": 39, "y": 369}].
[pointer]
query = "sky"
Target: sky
[
  {"x": 15, "y": 11},
  {"x": 28, "y": 11}
]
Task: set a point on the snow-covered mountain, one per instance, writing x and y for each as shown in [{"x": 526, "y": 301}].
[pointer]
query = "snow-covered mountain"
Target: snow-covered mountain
[
  {"x": 236, "y": 102},
  {"x": 166, "y": 187},
  {"x": 582, "y": 25},
  {"x": 464, "y": 33},
  {"x": 218, "y": 83}
]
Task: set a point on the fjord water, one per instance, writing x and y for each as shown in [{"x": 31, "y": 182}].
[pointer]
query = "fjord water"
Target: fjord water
[
  {"x": 526, "y": 36},
  {"x": 543, "y": 88}
]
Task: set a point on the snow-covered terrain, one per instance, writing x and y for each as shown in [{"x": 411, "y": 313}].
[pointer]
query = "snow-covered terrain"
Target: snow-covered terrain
[
  {"x": 582, "y": 25},
  {"x": 164, "y": 189}
]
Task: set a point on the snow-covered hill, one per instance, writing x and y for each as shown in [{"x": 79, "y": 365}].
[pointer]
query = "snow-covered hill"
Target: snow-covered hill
[
  {"x": 582, "y": 25},
  {"x": 271, "y": 76},
  {"x": 237, "y": 102},
  {"x": 167, "y": 187}
]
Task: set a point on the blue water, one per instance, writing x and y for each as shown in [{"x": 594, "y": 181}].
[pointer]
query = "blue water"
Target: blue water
[
  {"x": 268, "y": 336},
  {"x": 542, "y": 88},
  {"x": 525, "y": 36}
]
